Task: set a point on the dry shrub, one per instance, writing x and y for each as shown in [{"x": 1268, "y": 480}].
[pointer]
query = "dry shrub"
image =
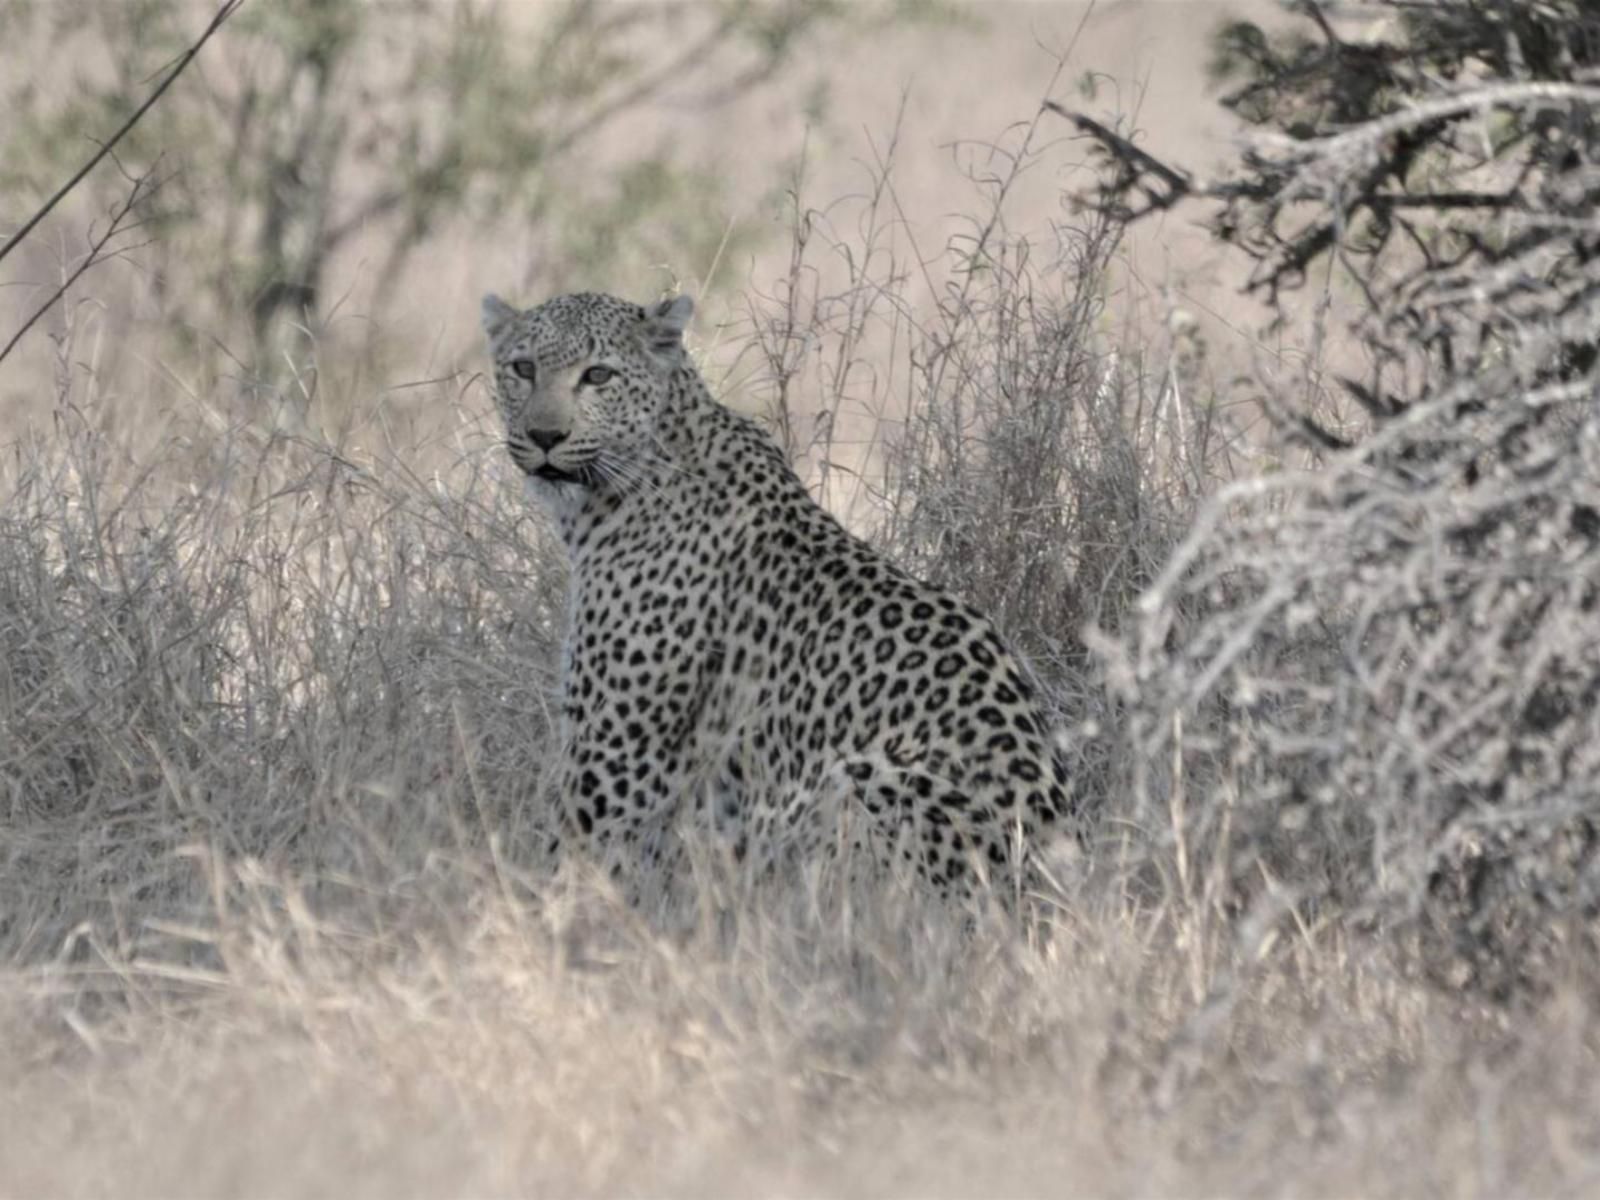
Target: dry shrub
[
  {"x": 1372, "y": 682},
  {"x": 281, "y": 657},
  {"x": 1375, "y": 684}
]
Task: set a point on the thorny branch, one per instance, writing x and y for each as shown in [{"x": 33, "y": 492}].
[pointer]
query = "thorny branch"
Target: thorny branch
[{"x": 1386, "y": 662}]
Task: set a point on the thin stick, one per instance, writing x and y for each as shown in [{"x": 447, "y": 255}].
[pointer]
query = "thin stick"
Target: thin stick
[
  {"x": 142, "y": 187},
  {"x": 227, "y": 10}
]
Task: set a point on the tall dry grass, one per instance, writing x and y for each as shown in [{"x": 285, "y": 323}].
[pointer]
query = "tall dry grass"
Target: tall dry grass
[{"x": 276, "y": 913}]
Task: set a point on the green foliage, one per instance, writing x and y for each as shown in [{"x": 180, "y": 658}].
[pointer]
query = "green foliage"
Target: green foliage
[{"x": 312, "y": 123}]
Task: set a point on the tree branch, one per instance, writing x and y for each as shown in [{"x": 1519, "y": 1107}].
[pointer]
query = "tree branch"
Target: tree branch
[
  {"x": 1136, "y": 161},
  {"x": 227, "y": 10},
  {"x": 142, "y": 188}
]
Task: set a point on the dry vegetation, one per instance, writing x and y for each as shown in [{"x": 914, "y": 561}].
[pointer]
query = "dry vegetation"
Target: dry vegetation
[{"x": 275, "y": 916}]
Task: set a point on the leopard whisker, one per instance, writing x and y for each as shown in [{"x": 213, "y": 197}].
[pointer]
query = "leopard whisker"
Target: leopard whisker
[
  {"x": 628, "y": 474},
  {"x": 613, "y": 473}
]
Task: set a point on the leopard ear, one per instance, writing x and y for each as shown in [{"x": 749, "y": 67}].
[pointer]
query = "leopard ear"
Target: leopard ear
[
  {"x": 497, "y": 314},
  {"x": 664, "y": 324}
]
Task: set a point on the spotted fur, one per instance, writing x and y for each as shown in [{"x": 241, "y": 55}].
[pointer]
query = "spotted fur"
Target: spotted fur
[{"x": 733, "y": 652}]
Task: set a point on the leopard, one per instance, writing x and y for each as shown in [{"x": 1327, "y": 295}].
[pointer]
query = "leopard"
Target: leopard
[{"x": 735, "y": 659}]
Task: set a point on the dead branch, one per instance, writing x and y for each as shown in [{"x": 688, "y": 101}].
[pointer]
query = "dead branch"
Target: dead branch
[
  {"x": 144, "y": 186},
  {"x": 227, "y": 10}
]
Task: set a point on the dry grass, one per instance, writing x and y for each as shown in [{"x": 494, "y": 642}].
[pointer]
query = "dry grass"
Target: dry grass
[
  {"x": 277, "y": 920},
  {"x": 470, "y": 1044}
]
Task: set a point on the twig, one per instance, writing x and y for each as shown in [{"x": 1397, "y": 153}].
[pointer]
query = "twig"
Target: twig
[
  {"x": 1180, "y": 183},
  {"x": 227, "y": 10},
  {"x": 142, "y": 188}
]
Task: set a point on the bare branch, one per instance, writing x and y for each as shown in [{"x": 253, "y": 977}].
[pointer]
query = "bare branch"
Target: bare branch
[
  {"x": 1135, "y": 162},
  {"x": 143, "y": 187},
  {"x": 227, "y": 10}
]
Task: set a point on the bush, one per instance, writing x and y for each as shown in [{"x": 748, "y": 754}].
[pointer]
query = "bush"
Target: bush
[{"x": 1374, "y": 674}]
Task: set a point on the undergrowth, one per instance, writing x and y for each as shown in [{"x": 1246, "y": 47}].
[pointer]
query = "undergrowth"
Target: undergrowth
[{"x": 273, "y": 720}]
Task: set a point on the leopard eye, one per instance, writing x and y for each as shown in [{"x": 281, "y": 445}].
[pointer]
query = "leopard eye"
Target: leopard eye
[
  {"x": 597, "y": 375},
  {"x": 525, "y": 368}
]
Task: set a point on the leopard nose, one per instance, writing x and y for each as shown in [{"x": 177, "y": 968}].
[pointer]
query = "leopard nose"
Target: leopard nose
[{"x": 546, "y": 438}]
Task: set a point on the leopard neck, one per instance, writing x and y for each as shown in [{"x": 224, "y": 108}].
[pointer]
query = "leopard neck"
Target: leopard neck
[{"x": 584, "y": 517}]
